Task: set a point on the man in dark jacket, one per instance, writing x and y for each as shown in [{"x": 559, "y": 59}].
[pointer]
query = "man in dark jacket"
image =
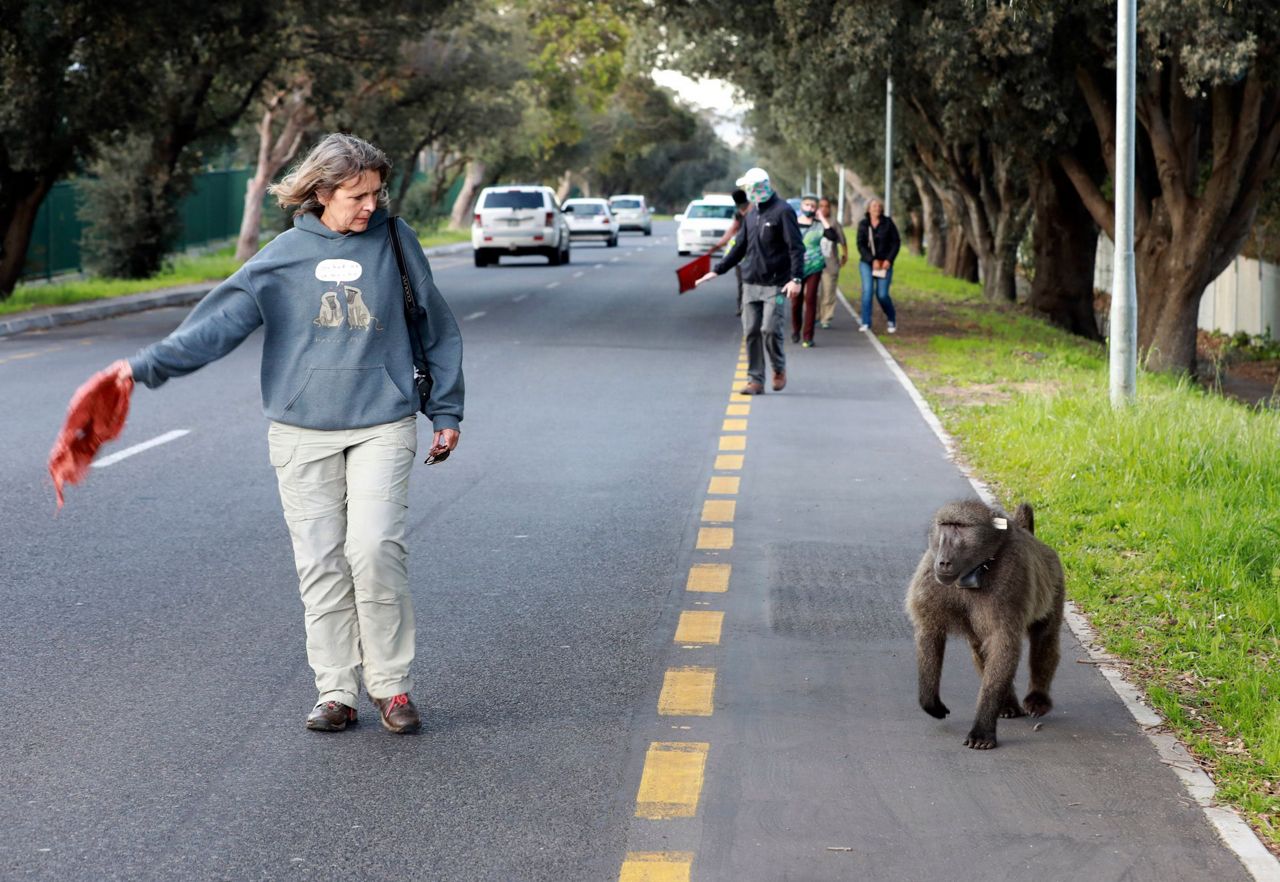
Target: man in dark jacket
[{"x": 772, "y": 256}]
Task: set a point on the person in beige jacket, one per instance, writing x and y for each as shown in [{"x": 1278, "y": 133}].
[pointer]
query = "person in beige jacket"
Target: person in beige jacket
[{"x": 837, "y": 255}]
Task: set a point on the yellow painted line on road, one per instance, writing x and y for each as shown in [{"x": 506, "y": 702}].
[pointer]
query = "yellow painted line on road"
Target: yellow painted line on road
[
  {"x": 733, "y": 442},
  {"x": 729, "y": 462},
  {"x": 719, "y": 511},
  {"x": 724, "y": 485},
  {"x": 737, "y": 410},
  {"x": 740, "y": 375},
  {"x": 671, "y": 783},
  {"x": 712, "y": 578},
  {"x": 19, "y": 356},
  {"x": 687, "y": 692},
  {"x": 738, "y": 396},
  {"x": 657, "y": 866},
  {"x": 742, "y": 366},
  {"x": 700, "y": 626},
  {"x": 715, "y": 538},
  {"x": 733, "y": 426}
]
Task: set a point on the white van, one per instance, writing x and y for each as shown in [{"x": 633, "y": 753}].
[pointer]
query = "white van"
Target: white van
[
  {"x": 633, "y": 212},
  {"x": 517, "y": 220}
]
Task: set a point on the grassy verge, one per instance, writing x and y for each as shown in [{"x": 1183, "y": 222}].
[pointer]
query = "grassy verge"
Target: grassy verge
[
  {"x": 444, "y": 237},
  {"x": 1167, "y": 517},
  {"x": 182, "y": 271}
]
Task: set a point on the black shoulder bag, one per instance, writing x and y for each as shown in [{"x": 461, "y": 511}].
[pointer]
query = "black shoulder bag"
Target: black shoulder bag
[{"x": 412, "y": 314}]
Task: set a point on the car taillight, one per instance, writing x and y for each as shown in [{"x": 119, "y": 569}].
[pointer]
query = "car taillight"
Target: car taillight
[
  {"x": 551, "y": 218},
  {"x": 604, "y": 219},
  {"x": 478, "y": 221}
]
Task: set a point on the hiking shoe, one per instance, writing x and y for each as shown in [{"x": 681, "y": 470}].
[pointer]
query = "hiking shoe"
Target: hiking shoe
[
  {"x": 751, "y": 389},
  {"x": 779, "y": 381},
  {"x": 398, "y": 713},
  {"x": 807, "y": 344},
  {"x": 331, "y": 716},
  {"x": 795, "y": 338},
  {"x": 893, "y": 329},
  {"x": 862, "y": 327},
  {"x": 824, "y": 325}
]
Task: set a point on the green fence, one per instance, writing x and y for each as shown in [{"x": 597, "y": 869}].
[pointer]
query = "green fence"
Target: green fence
[{"x": 210, "y": 213}]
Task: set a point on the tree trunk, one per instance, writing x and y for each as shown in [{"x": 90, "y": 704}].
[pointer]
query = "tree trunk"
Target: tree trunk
[
  {"x": 933, "y": 235},
  {"x": 1065, "y": 242},
  {"x": 961, "y": 259},
  {"x": 20, "y": 199},
  {"x": 460, "y": 217},
  {"x": 566, "y": 184},
  {"x": 292, "y": 103}
]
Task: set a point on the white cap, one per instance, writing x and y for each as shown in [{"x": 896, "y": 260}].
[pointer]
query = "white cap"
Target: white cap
[{"x": 753, "y": 176}]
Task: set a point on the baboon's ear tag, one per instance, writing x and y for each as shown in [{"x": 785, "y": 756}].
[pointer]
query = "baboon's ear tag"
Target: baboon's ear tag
[{"x": 1000, "y": 523}]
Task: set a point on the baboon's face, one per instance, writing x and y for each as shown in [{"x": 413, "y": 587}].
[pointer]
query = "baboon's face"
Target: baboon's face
[{"x": 961, "y": 545}]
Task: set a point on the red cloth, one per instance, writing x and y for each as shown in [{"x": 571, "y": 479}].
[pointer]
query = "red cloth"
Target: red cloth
[
  {"x": 96, "y": 415},
  {"x": 692, "y": 271}
]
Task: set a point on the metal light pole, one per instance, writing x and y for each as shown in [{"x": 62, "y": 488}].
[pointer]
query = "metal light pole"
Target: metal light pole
[
  {"x": 1124, "y": 296},
  {"x": 819, "y": 182},
  {"x": 888, "y": 147},
  {"x": 806, "y": 180},
  {"x": 840, "y": 206}
]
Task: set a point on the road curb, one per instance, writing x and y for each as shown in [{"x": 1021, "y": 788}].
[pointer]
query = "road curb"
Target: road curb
[
  {"x": 94, "y": 310},
  {"x": 1231, "y": 827}
]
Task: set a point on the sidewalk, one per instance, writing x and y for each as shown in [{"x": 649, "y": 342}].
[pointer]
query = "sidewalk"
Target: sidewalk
[
  {"x": 819, "y": 763},
  {"x": 93, "y": 310}
]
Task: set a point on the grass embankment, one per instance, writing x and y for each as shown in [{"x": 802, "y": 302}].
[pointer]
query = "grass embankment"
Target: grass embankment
[
  {"x": 444, "y": 237},
  {"x": 185, "y": 270},
  {"x": 1167, "y": 516}
]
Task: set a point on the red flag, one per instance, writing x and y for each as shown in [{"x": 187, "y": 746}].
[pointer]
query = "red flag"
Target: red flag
[
  {"x": 692, "y": 271},
  {"x": 96, "y": 415}
]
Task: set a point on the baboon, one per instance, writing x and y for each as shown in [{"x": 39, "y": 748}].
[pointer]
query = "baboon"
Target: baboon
[{"x": 988, "y": 577}]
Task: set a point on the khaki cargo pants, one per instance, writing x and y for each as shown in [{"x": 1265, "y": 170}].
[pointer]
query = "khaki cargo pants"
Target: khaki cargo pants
[{"x": 345, "y": 495}]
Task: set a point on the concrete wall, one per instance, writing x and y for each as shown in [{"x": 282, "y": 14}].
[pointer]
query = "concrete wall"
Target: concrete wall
[{"x": 1246, "y": 297}]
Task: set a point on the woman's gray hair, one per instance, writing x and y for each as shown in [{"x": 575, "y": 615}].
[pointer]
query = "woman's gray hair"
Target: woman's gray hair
[{"x": 336, "y": 159}]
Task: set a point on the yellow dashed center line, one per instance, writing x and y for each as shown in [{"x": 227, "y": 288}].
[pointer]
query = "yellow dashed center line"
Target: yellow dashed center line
[
  {"x": 719, "y": 511},
  {"x": 709, "y": 577},
  {"x": 733, "y": 442},
  {"x": 738, "y": 396},
  {"x": 671, "y": 783},
  {"x": 700, "y": 626},
  {"x": 740, "y": 375},
  {"x": 733, "y": 426},
  {"x": 729, "y": 462},
  {"x": 687, "y": 692},
  {"x": 656, "y": 866},
  {"x": 724, "y": 485},
  {"x": 715, "y": 538},
  {"x": 737, "y": 410}
]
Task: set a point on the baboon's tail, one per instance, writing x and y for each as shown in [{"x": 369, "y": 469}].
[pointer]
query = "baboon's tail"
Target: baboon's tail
[{"x": 1024, "y": 517}]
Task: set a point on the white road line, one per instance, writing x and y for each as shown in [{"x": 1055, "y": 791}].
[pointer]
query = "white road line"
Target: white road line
[
  {"x": 1231, "y": 828},
  {"x": 578, "y": 274},
  {"x": 554, "y": 285},
  {"x": 473, "y": 316},
  {"x": 518, "y": 298},
  {"x": 138, "y": 448},
  {"x": 614, "y": 259},
  {"x": 598, "y": 266}
]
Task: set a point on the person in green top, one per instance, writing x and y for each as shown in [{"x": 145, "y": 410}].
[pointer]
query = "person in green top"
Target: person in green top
[{"x": 814, "y": 227}]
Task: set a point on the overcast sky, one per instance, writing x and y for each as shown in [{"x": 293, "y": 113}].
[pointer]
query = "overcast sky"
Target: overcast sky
[{"x": 708, "y": 94}]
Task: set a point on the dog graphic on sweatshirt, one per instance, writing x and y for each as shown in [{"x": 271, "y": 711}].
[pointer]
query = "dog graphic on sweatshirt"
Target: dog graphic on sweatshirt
[
  {"x": 330, "y": 311},
  {"x": 358, "y": 315}
]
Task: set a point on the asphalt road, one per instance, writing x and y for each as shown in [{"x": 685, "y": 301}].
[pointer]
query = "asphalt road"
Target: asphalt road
[{"x": 155, "y": 680}]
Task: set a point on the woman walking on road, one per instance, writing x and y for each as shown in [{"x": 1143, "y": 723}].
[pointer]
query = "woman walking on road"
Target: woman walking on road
[
  {"x": 815, "y": 228},
  {"x": 836, "y": 255},
  {"x": 878, "y": 245},
  {"x": 338, "y": 387}
]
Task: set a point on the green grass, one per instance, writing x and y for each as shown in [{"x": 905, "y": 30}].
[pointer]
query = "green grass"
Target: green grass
[
  {"x": 181, "y": 271},
  {"x": 1167, "y": 515},
  {"x": 444, "y": 237}
]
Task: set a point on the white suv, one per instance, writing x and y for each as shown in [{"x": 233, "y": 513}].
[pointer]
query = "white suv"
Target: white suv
[
  {"x": 633, "y": 212},
  {"x": 703, "y": 223},
  {"x": 517, "y": 220},
  {"x": 591, "y": 217}
]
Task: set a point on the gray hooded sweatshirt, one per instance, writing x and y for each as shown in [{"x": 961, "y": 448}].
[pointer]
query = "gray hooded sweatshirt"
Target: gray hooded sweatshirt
[{"x": 336, "y": 354}]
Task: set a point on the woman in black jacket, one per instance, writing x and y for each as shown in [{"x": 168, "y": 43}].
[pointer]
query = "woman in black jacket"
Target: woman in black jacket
[{"x": 878, "y": 245}]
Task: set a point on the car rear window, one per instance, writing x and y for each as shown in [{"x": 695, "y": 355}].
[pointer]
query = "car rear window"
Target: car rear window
[
  {"x": 585, "y": 208},
  {"x": 724, "y": 212},
  {"x": 513, "y": 199},
  {"x": 626, "y": 203}
]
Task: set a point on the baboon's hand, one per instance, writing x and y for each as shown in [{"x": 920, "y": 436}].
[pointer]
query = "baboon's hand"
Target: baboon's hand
[
  {"x": 935, "y": 708},
  {"x": 1037, "y": 704},
  {"x": 979, "y": 740}
]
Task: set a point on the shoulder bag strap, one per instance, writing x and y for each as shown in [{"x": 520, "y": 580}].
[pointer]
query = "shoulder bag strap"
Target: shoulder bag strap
[{"x": 412, "y": 311}]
